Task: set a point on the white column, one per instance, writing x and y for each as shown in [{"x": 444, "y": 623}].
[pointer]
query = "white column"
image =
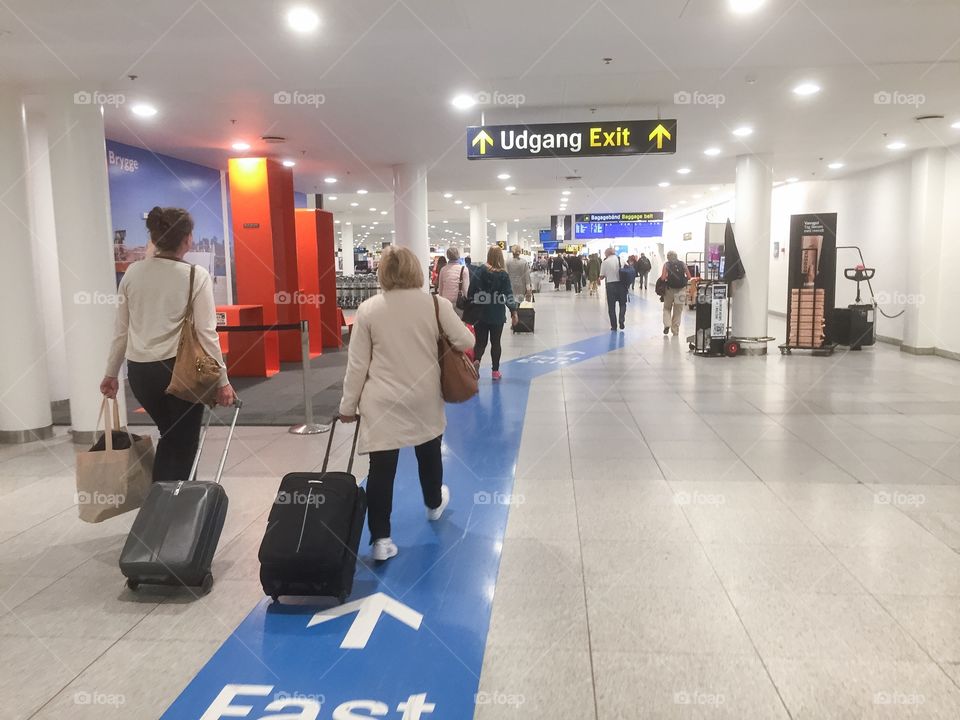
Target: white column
[
  {"x": 514, "y": 238},
  {"x": 88, "y": 285},
  {"x": 346, "y": 246},
  {"x": 46, "y": 264},
  {"x": 923, "y": 247},
  {"x": 478, "y": 233},
  {"x": 502, "y": 233},
  {"x": 410, "y": 212},
  {"x": 754, "y": 185},
  {"x": 24, "y": 398}
]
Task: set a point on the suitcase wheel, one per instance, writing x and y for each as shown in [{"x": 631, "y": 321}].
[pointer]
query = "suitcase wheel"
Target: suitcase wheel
[
  {"x": 275, "y": 598},
  {"x": 133, "y": 584},
  {"x": 207, "y": 583},
  {"x": 342, "y": 597}
]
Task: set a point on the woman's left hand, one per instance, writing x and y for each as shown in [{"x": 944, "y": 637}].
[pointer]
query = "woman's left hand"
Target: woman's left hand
[{"x": 513, "y": 319}]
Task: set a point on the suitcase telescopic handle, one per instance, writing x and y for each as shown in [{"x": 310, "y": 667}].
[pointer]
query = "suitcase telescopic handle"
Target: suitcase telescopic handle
[
  {"x": 237, "y": 404},
  {"x": 353, "y": 447}
]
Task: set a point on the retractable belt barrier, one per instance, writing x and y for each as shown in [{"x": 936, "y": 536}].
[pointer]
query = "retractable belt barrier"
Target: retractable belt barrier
[{"x": 308, "y": 426}]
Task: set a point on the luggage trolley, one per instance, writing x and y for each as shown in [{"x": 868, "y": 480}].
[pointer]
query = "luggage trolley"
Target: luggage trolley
[{"x": 713, "y": 337}]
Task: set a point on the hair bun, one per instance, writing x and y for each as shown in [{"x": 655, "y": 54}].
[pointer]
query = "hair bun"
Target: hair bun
[{"x": 156, "y": 222}]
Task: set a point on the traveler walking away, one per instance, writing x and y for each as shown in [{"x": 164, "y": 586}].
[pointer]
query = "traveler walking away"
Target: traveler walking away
[
  {"x": 493, "y": 298},
  {"x": 519, "y": 271},
  {"x": 643, "y": 269},
  {"x": 454, "y": 281},
  {"x": 632, "y": 264},
  {"x": 575, "y": 265},
  {"x": 675, "y": 276},
  {"x": 557, "y": 267},
  {"x": 393, "y": 382},
  {"x": 628, "y": 274},
  {"x": 615, "y": 286},
  {"x": 150, "y": 312},
  {"x": 593, "y": 272}
]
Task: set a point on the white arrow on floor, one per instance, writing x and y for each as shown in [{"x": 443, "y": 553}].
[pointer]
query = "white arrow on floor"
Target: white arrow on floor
[{"x": 369, "y": 610}]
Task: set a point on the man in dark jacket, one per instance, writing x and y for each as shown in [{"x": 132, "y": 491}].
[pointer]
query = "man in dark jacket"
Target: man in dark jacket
[
  {"x": 575, "y": 273},
  {"x": 643, "y": 269},
  {"x": 557, "y": 268}
]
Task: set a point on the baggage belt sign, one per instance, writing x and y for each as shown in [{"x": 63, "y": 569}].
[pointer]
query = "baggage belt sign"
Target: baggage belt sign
[{"x": 588, "y": 139}]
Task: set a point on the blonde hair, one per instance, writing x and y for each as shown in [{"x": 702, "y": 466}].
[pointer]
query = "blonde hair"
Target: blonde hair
[
  {"x": 495, "y": 258},
  {"x": 453, "y": 254},
  {"x": 516, "y": 251},
  {"x": 399, "y": 269}
]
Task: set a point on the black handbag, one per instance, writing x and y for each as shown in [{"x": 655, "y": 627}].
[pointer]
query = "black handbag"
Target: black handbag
[{"x": 462, "y": 301}]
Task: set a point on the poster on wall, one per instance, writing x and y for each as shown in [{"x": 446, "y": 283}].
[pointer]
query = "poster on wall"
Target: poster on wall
[
  {"x": 811, "y": 278},
  {"x": 561, "y": 228},
  {"x": 140, "y": 180}
]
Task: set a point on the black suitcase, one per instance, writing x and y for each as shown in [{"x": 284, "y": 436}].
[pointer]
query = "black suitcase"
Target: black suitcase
[
  {"x": 313, "y": 532},
  {"x": 175, "y": 534},
  {"x": 526, "y": 318}
]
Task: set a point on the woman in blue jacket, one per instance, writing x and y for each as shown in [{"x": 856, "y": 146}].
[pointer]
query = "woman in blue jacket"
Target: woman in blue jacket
[{"x": 492, "y": 296}]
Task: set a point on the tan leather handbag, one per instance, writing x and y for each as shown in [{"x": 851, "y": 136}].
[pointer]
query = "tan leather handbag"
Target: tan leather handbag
[
  {"x": 196, "y": 373},
  {"x": 458, "y": 377}
]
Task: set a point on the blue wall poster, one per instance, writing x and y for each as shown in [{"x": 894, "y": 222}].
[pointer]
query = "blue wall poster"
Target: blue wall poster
[{"x": 140, "y": 179}]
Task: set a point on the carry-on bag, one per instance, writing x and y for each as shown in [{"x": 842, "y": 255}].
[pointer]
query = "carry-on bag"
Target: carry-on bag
[
  {"x": 526, "y": 318},
  {"x": 113, "y": 476},
  {"x": 313, "y": 531},
  {"x": 175, "y": 534}
]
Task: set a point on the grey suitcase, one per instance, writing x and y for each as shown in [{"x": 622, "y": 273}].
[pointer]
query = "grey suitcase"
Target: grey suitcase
[{"x": 176, "y": 531}]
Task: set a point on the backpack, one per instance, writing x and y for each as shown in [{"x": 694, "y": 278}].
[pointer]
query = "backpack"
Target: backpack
[
  {"x": 644, "y": 265},
  {"x": 676, "y": 274}
]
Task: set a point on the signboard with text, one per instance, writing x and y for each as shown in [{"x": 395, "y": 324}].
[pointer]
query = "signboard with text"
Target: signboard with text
[
  {"x": 606, "y": 226},
  {"x": 587, "y": 139}
]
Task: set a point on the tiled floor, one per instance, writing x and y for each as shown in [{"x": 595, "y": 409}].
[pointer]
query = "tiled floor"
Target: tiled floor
[{"x": 750, "y": 538}]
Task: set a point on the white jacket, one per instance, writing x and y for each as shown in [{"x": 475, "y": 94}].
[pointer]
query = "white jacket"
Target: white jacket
[{"x": 393, "y": 376}]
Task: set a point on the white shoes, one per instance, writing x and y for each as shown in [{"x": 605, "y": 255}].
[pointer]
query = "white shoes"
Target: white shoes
[
  {"x": 437, "y": 513},
  {"x": 384, "y": 549}
]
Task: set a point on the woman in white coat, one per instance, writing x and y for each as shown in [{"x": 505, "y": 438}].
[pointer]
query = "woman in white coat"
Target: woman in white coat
[{"x": 393, "y": 383}]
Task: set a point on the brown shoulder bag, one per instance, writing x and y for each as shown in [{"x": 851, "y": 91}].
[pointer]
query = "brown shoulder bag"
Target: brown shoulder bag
[
  {"x": 458, "y": 377},
  {"x": 196, "y": 373}
]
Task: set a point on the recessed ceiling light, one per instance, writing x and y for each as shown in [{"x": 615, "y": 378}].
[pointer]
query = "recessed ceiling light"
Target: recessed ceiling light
[
  {"x": 143, "y": 110},
  {"x": 664, "y": 184},
  {"x": 361, "y": 191},
  {"x": 835, "y": 165},
  {"x": 383, "y": 212},
  {"x": 448, "y": 195},
  {"x": 303, "y": 19},
  {"x": 743, "y": 131},
  {"x": 793, "y": 179},
  {"x": 458, "y": 202},
  {"x": 683, "y": 171},
  {"x": 289, "y": 163},
  {"x": 516, "y": 219},
  {"x": 896, "y": 145},
  {"x": 354, "y": 204},
  {"x": 463, "y": 101},
  {"x": 466, "y": 207},
  {"x": 956, "y": 125},
  {"x": 373, "y": 209},
  {"x": 241, "y": 146},
  {"x": 330, "y": 180},
  {"x": 503, "y": 176},
  {"x": 746, "y": 6},
  {"x": 807, "y": 88},
  {"x": 565, "y": 192},
  {"x": 510, "y": 188},
  {"x": 445, "y": 222},
  {"x": 712, "y": 151}
]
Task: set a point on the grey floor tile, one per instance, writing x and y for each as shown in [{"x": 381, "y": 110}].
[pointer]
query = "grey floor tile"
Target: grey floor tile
[
  {"x": 819, "y": 625},
  {"x": 781, "y": 568},
  {"x": 904, "y": 570},
  {"x": 631, "y": 685},
  {"x": 527, "y": 616},
  {"x": 717, "y": 524},
  {"x": 619, "y": 564},
  {"x": 933, "y": 621}
]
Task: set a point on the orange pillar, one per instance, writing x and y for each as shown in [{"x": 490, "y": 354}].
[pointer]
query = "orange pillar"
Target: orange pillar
[
  {"x": 323, "y": 240},
  {"x": 311, "y": 297},
  {"x": 261, "y": 205}
]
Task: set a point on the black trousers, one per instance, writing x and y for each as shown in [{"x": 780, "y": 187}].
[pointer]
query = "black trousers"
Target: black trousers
[
  {"x": 616, "y": 293},
  {"x": 577, "y": 280},
  {"x": 178, "y": 420},
  {"x": 494, "y": 333},
  {"x": 383, "y": 471},
  {"x": 557, "y": 277},
  {"x": 643, "y": 280}
]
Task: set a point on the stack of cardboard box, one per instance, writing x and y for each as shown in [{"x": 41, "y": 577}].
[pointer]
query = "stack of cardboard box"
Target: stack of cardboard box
[{"x": 806, "y": 317}]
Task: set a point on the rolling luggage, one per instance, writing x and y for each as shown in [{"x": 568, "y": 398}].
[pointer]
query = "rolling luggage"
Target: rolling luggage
[
  {"x": 526, "y": 318},
  {"x": 175, "y": 534},
  {"x": 313, "y": 532}
]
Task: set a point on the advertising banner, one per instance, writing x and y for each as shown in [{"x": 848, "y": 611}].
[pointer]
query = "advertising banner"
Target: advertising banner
[{"x": 811, "y": 277}]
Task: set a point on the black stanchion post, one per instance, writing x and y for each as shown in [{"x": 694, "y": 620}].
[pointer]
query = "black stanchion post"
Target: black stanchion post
[{"x": 308, "y": 427}]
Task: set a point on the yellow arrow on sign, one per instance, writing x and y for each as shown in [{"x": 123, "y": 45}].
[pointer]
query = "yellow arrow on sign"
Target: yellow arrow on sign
[
  {"x": 483, "y": 137},
  {"x": 660, "y": 132}
]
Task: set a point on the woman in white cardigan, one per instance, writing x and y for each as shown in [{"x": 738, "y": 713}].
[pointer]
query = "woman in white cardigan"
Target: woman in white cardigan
[{"x": 393, "y": 383}]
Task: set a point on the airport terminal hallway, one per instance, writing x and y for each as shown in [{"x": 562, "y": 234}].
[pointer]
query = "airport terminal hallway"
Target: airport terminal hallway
[{"x": 679, "y": 537}]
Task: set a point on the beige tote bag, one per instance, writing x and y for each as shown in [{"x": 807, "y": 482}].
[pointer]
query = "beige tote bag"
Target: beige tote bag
[
  {"x": 196, "y": 373},
  {"x": 114, "y": 475}
]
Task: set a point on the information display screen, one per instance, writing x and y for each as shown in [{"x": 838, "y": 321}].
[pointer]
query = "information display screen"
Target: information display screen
[{"x": 606, "y": 226}]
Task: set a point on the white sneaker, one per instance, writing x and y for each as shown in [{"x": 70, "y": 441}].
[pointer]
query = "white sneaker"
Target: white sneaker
[
  {"x": 384, "y": 549},
  {"x": 436, "y": 513}
]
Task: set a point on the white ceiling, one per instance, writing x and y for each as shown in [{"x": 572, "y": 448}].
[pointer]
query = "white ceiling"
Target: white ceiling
[{"x": 387, "y": 71}]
